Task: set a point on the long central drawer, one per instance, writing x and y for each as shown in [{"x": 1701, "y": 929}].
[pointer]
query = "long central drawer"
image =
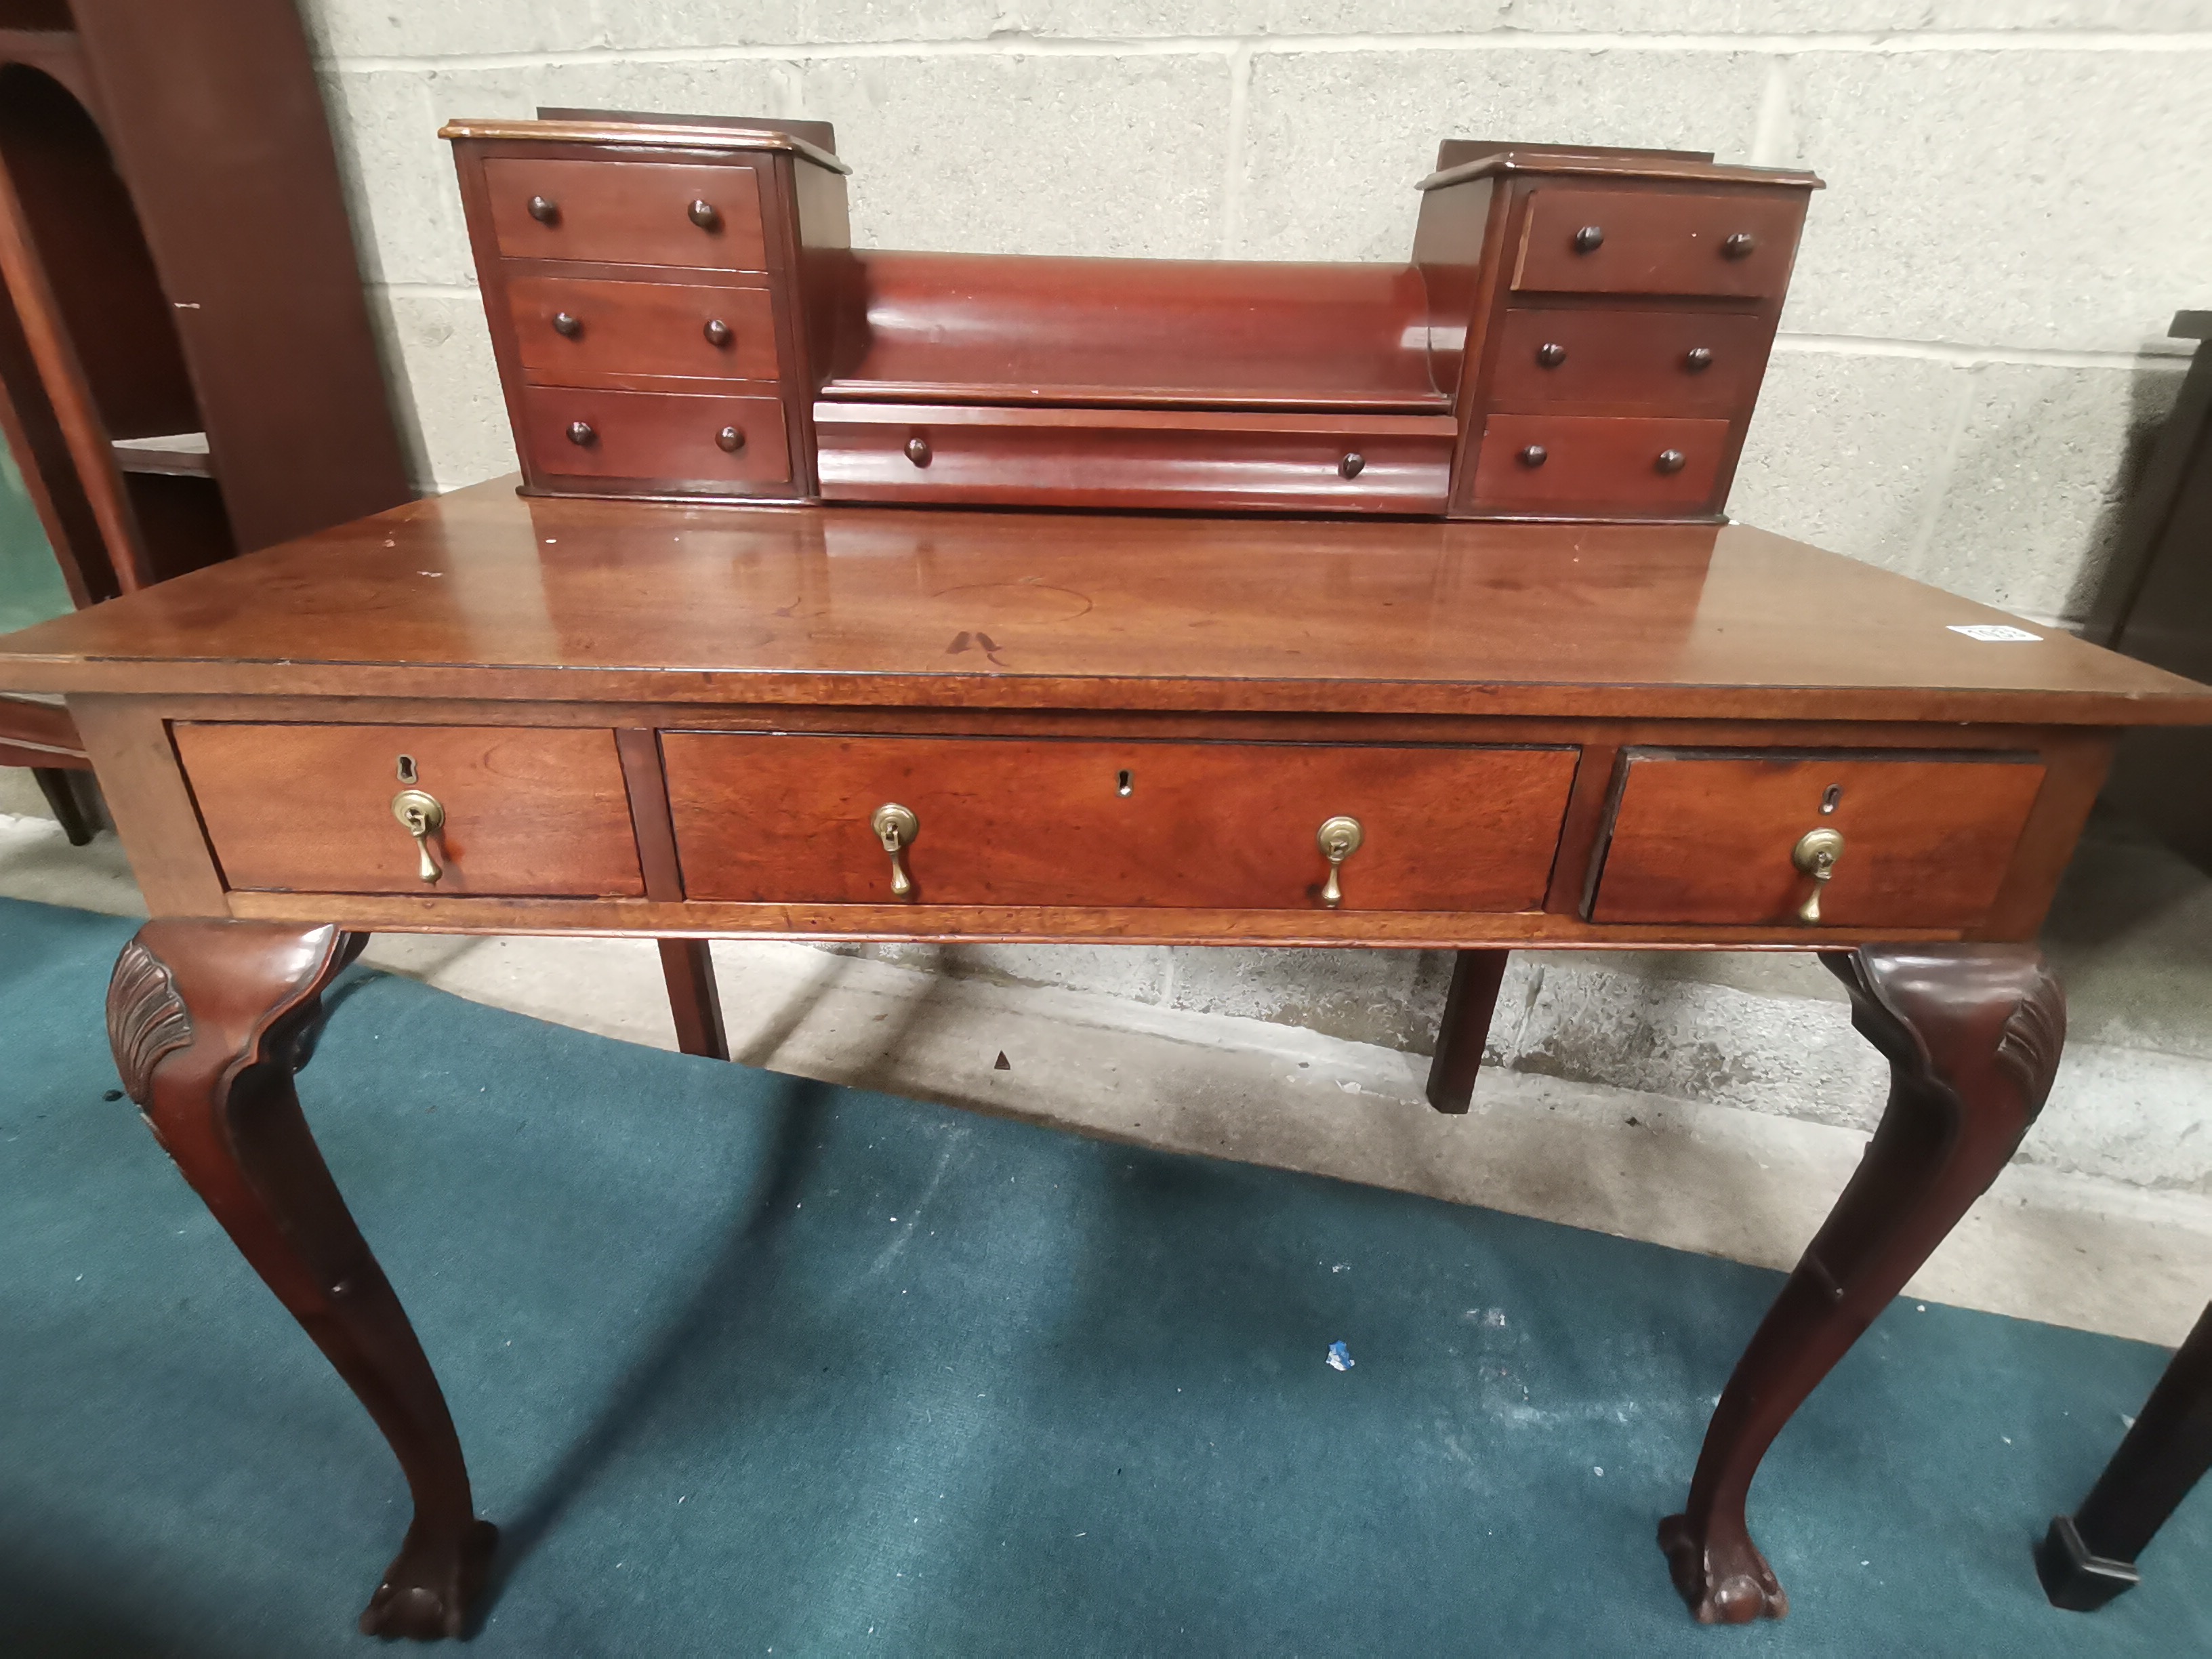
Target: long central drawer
[{"x": 787, "y": 817}]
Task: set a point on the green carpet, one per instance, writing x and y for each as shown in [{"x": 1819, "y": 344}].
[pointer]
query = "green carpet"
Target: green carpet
[
  {"x": 744, "y": 1363},
  {"x": 31, "y": 586}
]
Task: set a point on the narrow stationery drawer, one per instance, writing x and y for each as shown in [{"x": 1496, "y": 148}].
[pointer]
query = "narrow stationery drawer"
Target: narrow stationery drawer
[
  {"x": 1658, "y": 241},
  {"x": 674, "y": 441},
  {"x": 1543, "y": 463},
  {"x": 1926, "y": 843},
  {"x": 1660, "y": 362},
  {"x": 627, "y": 213},
  {"x": 1133, "y": 458},
  {"x": 778, "y": 818},
  {"x": 573, "y": 332},
  {"x": 308, "y": 809}
]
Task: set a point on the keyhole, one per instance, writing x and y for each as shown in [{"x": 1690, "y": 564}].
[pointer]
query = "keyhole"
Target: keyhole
[
  {"x": 407, "y": 774},
  {"x": 1832, "y": 797},
  {"x": 1124, "y": 784}
]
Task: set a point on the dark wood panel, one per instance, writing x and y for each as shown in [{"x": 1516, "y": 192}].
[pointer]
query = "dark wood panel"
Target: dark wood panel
[
  {"x": 784, "y": 818},
  {"x": 576, "y": 332},
  {"x": 677, "y": 441},
  {"x": 1002, "y": 328},
  {"x": 1133, "y": 458},
  {"x": 1598, "y": 463},
  {"x": 1612, "y": 363},
  {"x": 626, "y": 212},
  {"x": 1658, "y": 241},
  {"x": 1927, "y": 844},
  {"x": 308, "y": 808}
]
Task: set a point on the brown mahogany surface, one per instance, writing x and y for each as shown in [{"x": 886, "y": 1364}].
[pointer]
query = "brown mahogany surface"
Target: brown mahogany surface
[
  {"x": 781, "y": 815},
  {"x": 481, "y": 594}
]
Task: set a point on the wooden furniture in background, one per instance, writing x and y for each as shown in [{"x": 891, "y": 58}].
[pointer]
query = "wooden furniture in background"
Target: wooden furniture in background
[
  {"x": 186, "y": 363},
  {"x": 501, "y": 714},
  {"x": 2157, "y": 604},
  {"x": 677, "y": 312},
  {"x": 2089, "y": 1557}
]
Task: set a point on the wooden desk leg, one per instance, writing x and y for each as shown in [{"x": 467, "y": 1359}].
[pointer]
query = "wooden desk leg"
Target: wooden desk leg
[
  {"x": 1972, "y": 1034},
  {"x": 1465, "y": 1027},
  {"x": 67, "y": 805},
  {"x": 2089, "y": 1557},
  {"x": 688, "y": 968},
  {"x": 206, "y": 1018}
]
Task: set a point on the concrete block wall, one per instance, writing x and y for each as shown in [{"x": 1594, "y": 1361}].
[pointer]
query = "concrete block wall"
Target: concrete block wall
[{"x": 1972, "y": 354}]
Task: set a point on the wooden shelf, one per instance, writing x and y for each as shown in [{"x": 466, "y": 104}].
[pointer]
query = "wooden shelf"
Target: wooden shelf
[{"x": 178, "y": 454}]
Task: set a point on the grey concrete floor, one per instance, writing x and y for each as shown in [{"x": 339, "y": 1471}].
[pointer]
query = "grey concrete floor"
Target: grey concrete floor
[{"x": 2045, "y": 1243}]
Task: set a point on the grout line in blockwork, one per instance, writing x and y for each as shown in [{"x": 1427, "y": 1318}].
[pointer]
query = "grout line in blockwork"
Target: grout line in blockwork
[
  {"x": 1972, "y": 356},
  {"x": 1177, "y": 45},
  {"x": 1232, "y": 186}
]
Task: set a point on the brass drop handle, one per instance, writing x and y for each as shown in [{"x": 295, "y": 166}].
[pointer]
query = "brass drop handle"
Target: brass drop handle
[
  {"x": 896, "y": 826},
  {"x": 1815, "y": 854},
  {"x": 1340, "y": 838},
  {"x": 422, "y": 817}
]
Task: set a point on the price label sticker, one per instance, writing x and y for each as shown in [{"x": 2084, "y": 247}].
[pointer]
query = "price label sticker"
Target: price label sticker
[{"x": 1994, "y": 633}]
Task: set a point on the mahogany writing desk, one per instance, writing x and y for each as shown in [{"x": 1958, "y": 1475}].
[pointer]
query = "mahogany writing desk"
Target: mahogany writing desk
[{"x": 496, "y": 715}]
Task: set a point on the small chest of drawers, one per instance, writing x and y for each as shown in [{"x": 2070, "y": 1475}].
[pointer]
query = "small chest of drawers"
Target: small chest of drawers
[{"x": 645, "y": 307}]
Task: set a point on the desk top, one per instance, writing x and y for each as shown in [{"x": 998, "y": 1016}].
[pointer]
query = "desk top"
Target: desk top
[{"x": 483, "y": 594}]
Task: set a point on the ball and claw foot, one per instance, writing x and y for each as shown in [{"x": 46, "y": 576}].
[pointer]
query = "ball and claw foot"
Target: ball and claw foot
[
  {"x": 1725, "y": 1581},
  {"x": 430, "y": 1587}
]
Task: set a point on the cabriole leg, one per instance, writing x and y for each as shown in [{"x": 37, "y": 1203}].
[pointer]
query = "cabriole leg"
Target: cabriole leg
[
  {"x": 206, "y": 1018},
  {"x": 1972, "y": 1035}
]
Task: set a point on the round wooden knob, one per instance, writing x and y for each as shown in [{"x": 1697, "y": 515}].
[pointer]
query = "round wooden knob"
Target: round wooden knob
[
  {"x": 731, "y": 439},
  {"x": 918, "y": 450},
  {"x": 1551, "y": 354},
  {"x": 1670, "y": 460},
  {"x": 579, "y": 432},
  {"x": 1589, "y": 239},
  {"x": 567, "y": 324},
  {"x": 545, "y": 209},
  {"x": 1534, "y": 455},
  {"x": 1698, "y": 358},
  {"x": 1352, "y": 464},
  {"x": 718, "y": 332},
  {"x": 1739, "y": 246},
  {"x": 702, "y": 214}
]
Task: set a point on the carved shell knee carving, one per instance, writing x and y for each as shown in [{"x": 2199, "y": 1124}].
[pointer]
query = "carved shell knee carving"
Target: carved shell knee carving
[{"x": 146, "y": 1018}]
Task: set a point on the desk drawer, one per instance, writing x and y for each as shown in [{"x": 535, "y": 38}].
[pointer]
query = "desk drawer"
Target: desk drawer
[
  {"x": 575, "y": 332},
  {"x": 1551, "y": 463},
  {"x": 1740, "y": 244},
  {"x": 627, "y": 213},
  {"x": 1666, "y": 362},
  {"x": 785, "y": 818},
  {"x": 669, "y": 441},
  {"x": 308, "y": 808},
  {"x": 1708, "y": 838},
  {"x": 1133, "y": 458}
]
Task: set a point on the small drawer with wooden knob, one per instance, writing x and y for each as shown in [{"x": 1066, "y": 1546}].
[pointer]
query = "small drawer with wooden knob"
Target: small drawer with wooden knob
[
  {"x": 1260, "y": 460},
  {"x": 1737, "y": 243},
  {"x": 1600, "y": 466},
  {"x": 571, "y": 331},
  {"x": 507, "y": 811},
  {"x": 1812, "y": 841},
  {"x": 660, "y": 443},
  {"x": 807, "y": 818},
  {"x": 1627, "y": 362},
  {"x": 627, "y": 213}
]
